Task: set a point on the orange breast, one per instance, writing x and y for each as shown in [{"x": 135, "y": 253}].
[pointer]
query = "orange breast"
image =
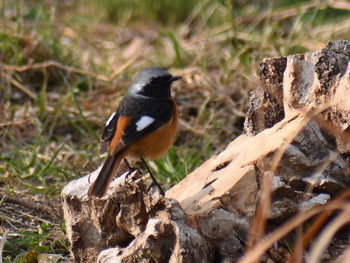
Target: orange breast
[{"x": 157, "y": 143}]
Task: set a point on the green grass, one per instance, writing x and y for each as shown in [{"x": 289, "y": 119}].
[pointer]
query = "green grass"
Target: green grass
[
  {"x": 125, "y": 11},
  {"x": 51, "y": 116}
]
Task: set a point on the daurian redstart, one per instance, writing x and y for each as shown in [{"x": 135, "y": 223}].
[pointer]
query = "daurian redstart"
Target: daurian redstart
[{"x": 143, "y": 126}]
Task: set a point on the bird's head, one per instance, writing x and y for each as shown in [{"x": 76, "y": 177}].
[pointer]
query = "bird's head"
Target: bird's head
[{"x": 153, "y": 82}]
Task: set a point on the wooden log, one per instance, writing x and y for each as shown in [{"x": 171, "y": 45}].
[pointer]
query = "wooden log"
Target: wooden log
[{"x": 132, "y": 223}]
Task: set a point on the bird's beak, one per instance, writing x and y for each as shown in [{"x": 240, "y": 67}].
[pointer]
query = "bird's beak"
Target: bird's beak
[{"x": 175, "y": 78}]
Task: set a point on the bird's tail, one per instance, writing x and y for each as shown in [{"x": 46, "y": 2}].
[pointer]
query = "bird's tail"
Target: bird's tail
[{"x": 104, "y": 178}]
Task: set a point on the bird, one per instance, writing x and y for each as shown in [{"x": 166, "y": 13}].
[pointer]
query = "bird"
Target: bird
[{"x": 143, "y": 126}]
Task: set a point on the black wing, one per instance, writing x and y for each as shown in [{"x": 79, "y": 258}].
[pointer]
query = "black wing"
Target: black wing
[
  {"x": 160, "y": 110},
  {"x": 108, "y": 132}
]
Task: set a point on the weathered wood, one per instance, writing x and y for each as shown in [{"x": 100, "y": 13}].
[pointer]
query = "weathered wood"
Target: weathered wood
[
  {"x": 278, "y": 121},
  {"x": 134, "y": 221},
  {"x": 206, "y": 216}
]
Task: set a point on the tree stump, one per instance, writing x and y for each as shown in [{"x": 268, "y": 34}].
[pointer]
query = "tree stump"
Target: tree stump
[
  {"x": 130, "y": 224},
  {"x": 295, "y": 133}
]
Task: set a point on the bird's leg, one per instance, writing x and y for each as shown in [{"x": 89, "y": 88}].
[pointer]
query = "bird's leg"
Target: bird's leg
[
  {"x": 131, "y": 169},
  {"x": 153, "y": 178}
]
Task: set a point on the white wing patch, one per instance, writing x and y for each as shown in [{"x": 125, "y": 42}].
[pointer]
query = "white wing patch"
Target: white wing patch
[
  {"x": 144, "y": 122},
  {"x": 110, "y": 118}
]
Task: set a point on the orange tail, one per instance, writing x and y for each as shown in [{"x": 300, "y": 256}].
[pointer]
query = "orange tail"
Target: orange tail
[{"x": 104, "y": 178}]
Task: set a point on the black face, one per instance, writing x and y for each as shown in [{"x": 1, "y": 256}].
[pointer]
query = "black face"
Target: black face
[
  {"x": 157, "y": 87},
  {"x": 153, "y": 82}
]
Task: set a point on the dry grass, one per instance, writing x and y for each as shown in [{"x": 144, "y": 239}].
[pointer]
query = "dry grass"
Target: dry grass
[
  {"x": 321, "y": 214},
  {"x": 64, "y": 66}
]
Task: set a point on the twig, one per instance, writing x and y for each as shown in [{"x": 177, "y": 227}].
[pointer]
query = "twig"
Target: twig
[
  {"x": 51, "y": 63},
  {"x": 12, "y": 123},
  {"x": 20, "y": 86},
  {"x": 37, "y": 218},
  {"x": 263, "y": 209},
  {"x": 10, "y": 221},
  {"x": 36, "y": 206},
  {"x": 325, "y": 238},
  {"x": 2, "y": 243},
  {"x": 256, "y": 252},
  {"x": 56, "y": 64}
]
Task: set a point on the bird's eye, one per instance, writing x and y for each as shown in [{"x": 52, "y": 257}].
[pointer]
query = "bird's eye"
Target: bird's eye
[{"x": 152, "y": 80}]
